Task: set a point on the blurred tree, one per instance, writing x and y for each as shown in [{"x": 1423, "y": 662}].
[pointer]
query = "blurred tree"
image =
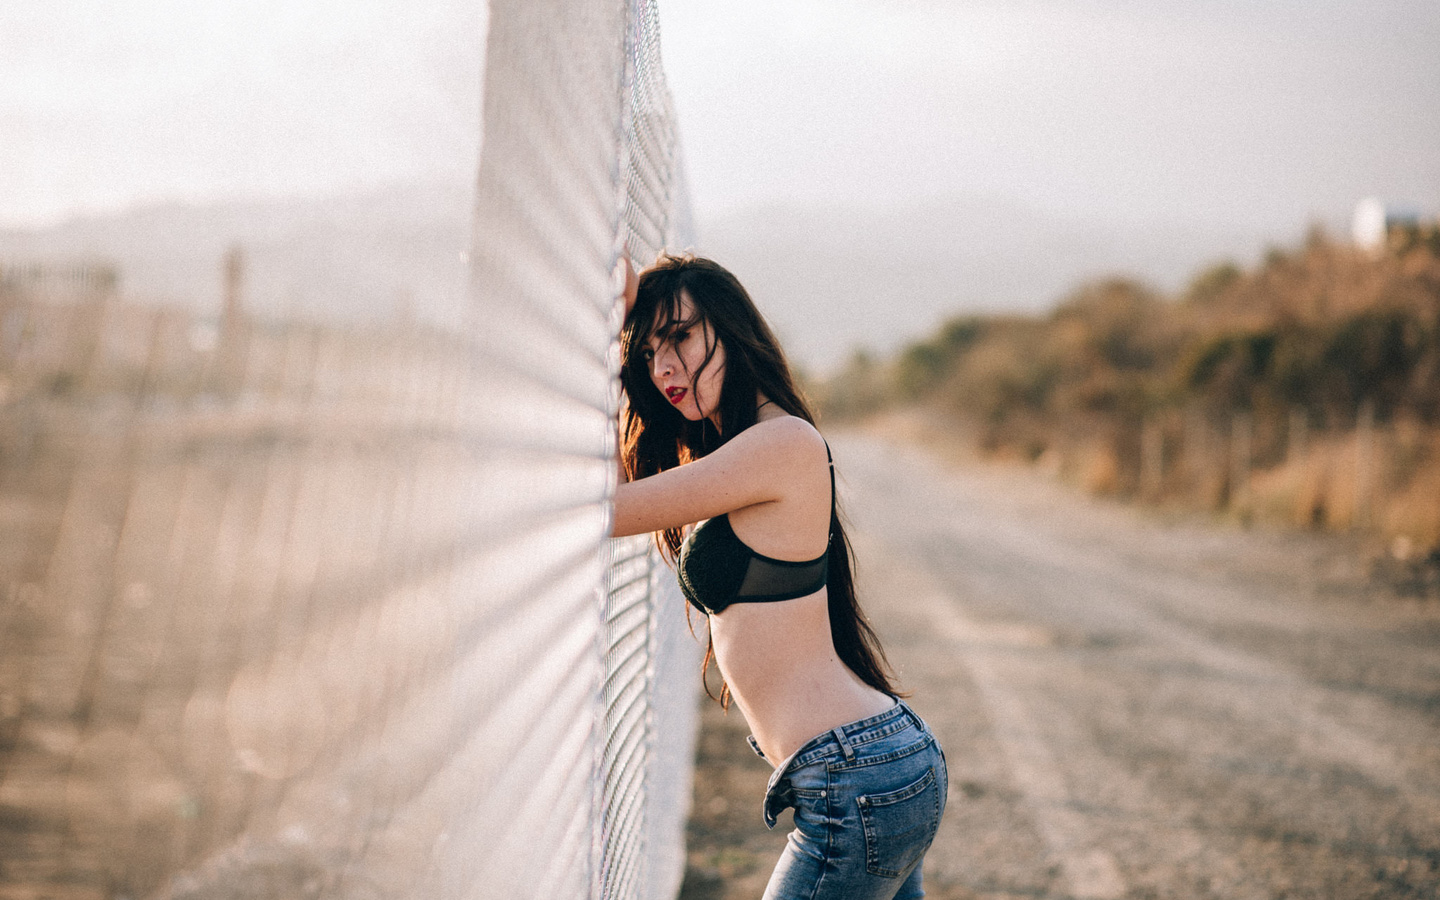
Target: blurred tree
[{"x": 1212, "y": 283}]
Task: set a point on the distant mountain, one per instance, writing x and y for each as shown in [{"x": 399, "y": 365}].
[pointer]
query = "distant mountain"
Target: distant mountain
[
  {"x": 832, "y": 278},
  {"x": 363, "y": 256}
]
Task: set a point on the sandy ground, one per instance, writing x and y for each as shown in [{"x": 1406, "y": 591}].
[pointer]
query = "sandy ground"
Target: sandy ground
[{"x": 1133, "y": 706}]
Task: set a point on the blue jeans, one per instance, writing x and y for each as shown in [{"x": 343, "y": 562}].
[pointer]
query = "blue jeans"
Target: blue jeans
[{"x": 868, "y": 798}]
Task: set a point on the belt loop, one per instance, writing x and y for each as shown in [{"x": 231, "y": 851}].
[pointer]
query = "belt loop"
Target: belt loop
[
  {"x": 844, "y": 744},
  {"x": 914, "y": 716}
]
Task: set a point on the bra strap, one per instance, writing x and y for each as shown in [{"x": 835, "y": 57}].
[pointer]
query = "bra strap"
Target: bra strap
[{"x": 830, "y": 459}]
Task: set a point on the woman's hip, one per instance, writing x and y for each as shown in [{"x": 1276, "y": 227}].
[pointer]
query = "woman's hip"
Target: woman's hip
[
  {"x": 861, "y": 762},
  {"x": 868, "y": 798}
]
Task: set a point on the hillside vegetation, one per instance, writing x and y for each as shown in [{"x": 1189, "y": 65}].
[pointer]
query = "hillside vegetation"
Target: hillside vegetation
[{"x": 1305, "y": 389}]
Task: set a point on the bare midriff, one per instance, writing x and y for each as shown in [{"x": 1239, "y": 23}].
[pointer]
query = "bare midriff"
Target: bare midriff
[{"x": 784, "y": 674}]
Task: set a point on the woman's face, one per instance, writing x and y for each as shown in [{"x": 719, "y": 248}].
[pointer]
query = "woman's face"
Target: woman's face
[{"x": 675, "y": 352}]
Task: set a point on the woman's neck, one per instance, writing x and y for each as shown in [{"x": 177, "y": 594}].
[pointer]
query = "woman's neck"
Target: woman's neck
[{"x": 764, "y": 404}]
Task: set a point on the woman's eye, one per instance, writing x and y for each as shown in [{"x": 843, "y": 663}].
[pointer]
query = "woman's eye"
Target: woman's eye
[
  {"x": 647, "y": 354},
  {"x": 680, "y": 336}
]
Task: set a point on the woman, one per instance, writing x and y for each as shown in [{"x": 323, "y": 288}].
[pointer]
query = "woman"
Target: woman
[{"x": 717, "y": 434}]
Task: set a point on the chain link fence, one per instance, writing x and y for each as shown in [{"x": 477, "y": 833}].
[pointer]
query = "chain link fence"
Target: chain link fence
[{"x": 306, "y": 605}]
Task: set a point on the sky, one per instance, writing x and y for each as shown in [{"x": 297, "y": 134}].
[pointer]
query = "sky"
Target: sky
[
  {"x": 109, "y": 103},
  {"x": 1273, "y": 112},
  {"x": 874, "y": 168},
  {"x": 1244, "y": 121}
]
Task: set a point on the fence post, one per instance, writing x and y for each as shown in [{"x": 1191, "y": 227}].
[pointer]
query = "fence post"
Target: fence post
[
  {"x": 1240, "y": 461},
  {"x": 1298, "y": 437},
  {"x": 1152, "y": 459},
  {"x": 1364, "y": 461},
  {"x": 1195, "y": 450}
]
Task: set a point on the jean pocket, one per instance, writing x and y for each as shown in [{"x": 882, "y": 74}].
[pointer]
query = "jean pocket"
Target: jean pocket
[{"x": 899, "y": 825}]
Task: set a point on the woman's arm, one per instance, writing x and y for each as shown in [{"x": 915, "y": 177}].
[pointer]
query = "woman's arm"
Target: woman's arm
[
  {"x": 624, "y": 276},
  {"x": 759, "y": 465}
]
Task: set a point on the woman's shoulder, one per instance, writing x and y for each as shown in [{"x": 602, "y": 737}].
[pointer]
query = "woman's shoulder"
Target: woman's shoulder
[{"x": 786, "y": 437}]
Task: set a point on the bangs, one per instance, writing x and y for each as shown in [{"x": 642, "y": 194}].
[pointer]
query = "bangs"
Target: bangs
[
  {"x": 659, "y": 322},
  {"x": 667, "y": 319}
]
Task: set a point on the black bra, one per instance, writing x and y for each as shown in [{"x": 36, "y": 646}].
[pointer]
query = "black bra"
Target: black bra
[{"x": 717, "y": 569}]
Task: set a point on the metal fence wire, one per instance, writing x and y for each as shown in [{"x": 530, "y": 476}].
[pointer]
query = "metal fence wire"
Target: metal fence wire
[{"x": 304, "y": 605}]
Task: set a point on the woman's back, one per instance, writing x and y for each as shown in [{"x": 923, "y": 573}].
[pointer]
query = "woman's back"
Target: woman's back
[
  {"x": 777, "y": 656},
  {"x": 781, "y": 666}
]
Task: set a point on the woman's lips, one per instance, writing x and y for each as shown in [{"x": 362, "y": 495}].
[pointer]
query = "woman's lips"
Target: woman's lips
[{"x": 676, "y": 394}]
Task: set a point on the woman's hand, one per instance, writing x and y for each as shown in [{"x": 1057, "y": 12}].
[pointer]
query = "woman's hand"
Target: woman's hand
[{"x": 625, "y": 274}]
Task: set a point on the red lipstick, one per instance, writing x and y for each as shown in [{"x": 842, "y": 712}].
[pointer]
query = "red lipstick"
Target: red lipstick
[{"x": 676, "y": 394}]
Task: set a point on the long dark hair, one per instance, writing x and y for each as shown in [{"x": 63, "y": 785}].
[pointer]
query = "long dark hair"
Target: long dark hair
[{"x": 657, "y": 437}]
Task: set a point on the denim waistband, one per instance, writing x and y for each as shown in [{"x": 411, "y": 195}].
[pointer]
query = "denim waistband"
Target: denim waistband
[{"x": 839, "y": 742}]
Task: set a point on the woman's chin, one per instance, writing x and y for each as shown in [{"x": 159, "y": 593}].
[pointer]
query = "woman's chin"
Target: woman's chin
[{"x": 692, "y": 411}]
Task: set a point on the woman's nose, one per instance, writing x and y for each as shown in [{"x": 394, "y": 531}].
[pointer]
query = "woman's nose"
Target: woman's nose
[{"x": 662, "y": 365}]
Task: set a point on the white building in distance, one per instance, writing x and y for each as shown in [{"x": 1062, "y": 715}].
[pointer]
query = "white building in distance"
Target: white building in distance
[{"x": 1370, "y": 228}]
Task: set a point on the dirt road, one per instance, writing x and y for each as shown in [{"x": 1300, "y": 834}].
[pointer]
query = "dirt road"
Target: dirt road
[{"x": 1131, "y": 707}]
